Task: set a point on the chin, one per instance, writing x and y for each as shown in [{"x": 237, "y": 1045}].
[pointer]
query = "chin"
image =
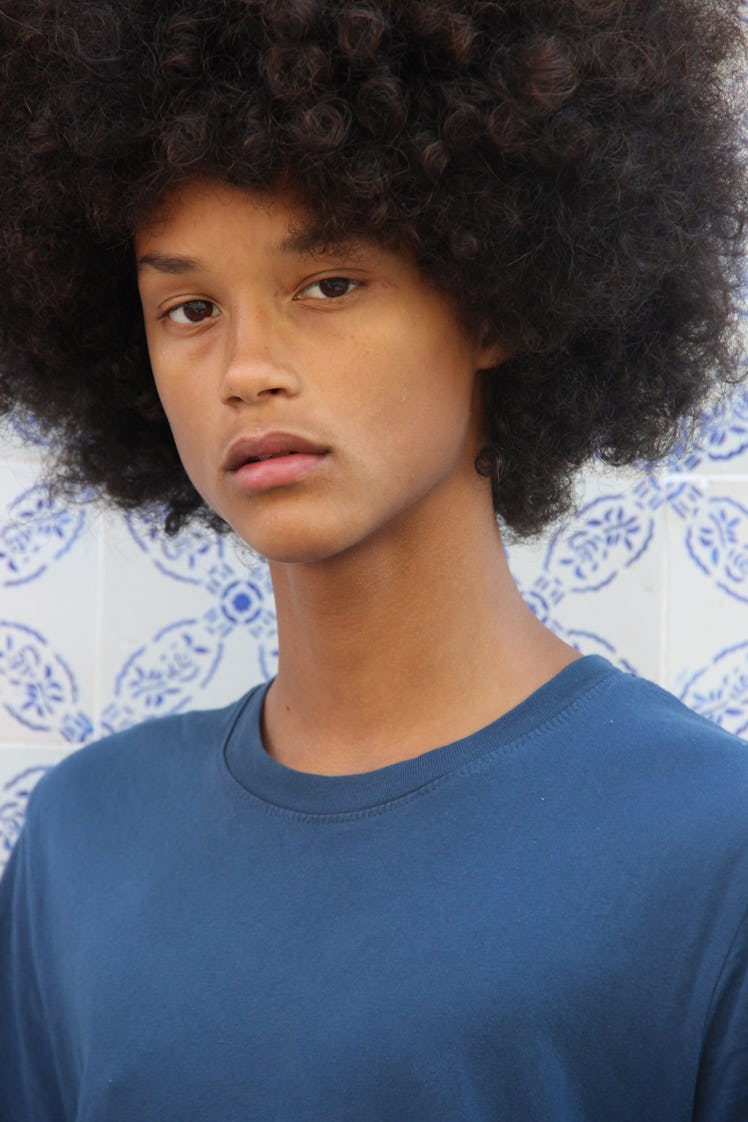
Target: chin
[
  {"x": 303, "y": 533},
  {"x": 292, "y": 546}
]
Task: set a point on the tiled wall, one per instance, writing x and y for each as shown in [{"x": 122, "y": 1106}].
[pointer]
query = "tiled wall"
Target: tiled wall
[{"x": 104, "y": 622}]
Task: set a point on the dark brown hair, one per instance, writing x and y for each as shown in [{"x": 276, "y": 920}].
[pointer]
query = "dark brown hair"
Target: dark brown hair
[{"x": 567, "y": 170}]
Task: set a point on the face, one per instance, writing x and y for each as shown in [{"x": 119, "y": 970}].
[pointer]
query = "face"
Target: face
[{"x": 322, "y": 400}]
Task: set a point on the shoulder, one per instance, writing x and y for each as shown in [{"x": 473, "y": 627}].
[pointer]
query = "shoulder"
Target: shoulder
[
  {"x": 645, "y": 715},
  {"x": 658, "y": 759},
  {"x": 170, "y": 753},
  {"x": 600, "y": 709},
  {"x": 597, "y": 698},
  {"x": 621, "y": 752}
]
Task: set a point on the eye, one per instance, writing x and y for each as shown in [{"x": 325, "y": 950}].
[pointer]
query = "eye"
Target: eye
[
  {"x": 192, "y": 311},
  {"x": 330, "y": 288}
]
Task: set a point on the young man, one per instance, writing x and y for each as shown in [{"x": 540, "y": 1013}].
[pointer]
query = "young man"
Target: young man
[{"x": 393, "y": 269}]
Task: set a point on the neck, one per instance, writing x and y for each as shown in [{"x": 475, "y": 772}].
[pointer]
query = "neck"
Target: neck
[{"x": 386, "y": 653}]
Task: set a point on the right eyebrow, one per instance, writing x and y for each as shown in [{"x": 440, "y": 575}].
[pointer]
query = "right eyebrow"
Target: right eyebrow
[
  {"x": 164, "y": 264},
  {"x": 311, "y": 241}
]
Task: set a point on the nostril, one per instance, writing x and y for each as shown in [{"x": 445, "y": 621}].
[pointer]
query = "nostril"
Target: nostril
[{"x": 255, "y": 377}]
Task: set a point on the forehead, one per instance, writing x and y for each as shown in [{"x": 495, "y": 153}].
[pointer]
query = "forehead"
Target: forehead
[
  {"x": 202, "y": 206},
  {"x": 207, "y": 219}
]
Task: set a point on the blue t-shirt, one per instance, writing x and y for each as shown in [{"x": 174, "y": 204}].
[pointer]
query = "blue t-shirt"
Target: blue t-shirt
[{"x": 543, "y": 922}]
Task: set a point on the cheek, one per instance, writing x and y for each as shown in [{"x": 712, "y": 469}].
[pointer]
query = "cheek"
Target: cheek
[
  {"x": 425, "y": 421},
  {"x": 177, "y": 391},
  {"x": 186, "y": 418},
  {"x": 445, "y": 389}
]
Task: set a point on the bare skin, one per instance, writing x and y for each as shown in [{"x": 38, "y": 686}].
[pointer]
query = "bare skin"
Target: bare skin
[
  {"x": 386, "y": 658},
  {"x": 400, "y": 626}
]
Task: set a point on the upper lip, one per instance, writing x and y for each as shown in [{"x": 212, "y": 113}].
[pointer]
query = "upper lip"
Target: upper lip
[{"x": 248, "y": 448}]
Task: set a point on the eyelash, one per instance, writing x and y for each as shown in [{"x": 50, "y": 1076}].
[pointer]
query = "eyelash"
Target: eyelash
[
  {"x": 170, "y": 313},
  {"x": 354, "y": 284}
]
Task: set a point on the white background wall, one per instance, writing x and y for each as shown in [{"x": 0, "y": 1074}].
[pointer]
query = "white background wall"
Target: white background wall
[{"x": 105, "y": 622}]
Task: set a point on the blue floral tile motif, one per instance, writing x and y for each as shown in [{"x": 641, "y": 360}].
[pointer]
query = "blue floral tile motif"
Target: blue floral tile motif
[
  {"x": 723, "y": 430},
  {"x": 163, "y": 676},
  {"x": 603, "y": 538},
  {"x": 721, "y": 434},
  {"x": 686, "y": 500},
  {"x": 37, "y": 686},
  {"x": 242, "y": 600},
  {"x": 37, "y": 530},
  {"x": 14, "y": 795},
  {"x": 720, "y": 690},
  {"x": 717, "y": 540},
  {"x": 188, "y": 556},
  {"x": 606, "y": 536}
]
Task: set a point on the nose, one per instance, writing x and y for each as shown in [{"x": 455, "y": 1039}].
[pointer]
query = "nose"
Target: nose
[{"x": 258, "y": 361}]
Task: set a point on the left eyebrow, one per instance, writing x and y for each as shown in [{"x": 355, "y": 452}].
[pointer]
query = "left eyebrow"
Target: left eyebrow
[
  {"x": 164, "y": 264},
  {"x": 312, "y": 242}
]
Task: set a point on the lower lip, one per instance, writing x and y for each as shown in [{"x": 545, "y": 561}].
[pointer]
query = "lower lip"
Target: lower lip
[{"x": 279, "y": 471}]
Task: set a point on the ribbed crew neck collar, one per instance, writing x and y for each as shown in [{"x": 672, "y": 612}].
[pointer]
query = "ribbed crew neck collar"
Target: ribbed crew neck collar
[{"x": 303, "y": 792}]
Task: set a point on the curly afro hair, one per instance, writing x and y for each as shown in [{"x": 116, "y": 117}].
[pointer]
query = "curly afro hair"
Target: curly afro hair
[{"x": 569, "y": 171}]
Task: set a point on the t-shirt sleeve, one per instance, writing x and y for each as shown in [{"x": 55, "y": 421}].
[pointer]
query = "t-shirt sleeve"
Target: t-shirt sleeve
[
  {"x": 29, "y": 1088},
  {"x": 722, "y": 1089}
]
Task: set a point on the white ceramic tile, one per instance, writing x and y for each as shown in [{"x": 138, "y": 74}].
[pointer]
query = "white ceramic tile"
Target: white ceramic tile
[
  {"x": 598, "y": 579},
  {"x": 708, "y": 598},
  {"x": 186, "y": 623},
  {"x": 49, "y": 567},
  {"x": 722, "y": 443}
]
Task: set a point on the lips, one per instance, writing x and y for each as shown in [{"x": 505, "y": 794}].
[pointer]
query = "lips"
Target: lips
[
  {"x": 249, "y": 450},
  {"x": 273, "y": 461}
]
